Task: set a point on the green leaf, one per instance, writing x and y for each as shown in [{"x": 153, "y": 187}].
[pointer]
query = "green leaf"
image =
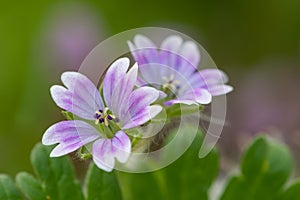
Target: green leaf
[
  {"x": 265, "y": 167},
  {"x": 254, "y": 159},
  {"x": 102, "y": 185},
  {"x": 235, "y": 189},
  {"x": 146, "y": 186},
  {"x": 292, "y": 192},
  {"x": 190, "y": 177},
  {"x": 30, "y": 187},
  {"x": 8, "y": 190},
  {"x": 56, "y": 175},
  {"x": 187, "y": 178}
]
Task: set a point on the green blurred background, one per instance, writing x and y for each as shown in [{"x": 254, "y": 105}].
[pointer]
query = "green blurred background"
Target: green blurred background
[{"x": 256, "y": 42}]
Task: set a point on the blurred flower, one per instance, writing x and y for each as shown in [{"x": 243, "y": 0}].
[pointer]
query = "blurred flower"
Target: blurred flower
[
  {"x": 71, "y": 32},
  {"x": 126, "y": 108},
  {"x": 172, "y": 68}
]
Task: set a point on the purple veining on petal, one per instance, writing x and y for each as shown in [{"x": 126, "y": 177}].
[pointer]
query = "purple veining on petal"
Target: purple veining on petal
[
  {"x": 183, "y": 57},
  {"x": 220, "y": 89},
  {"x": 71, "y": 135},
  {"x": 105, "y": 151},
  {"x": 125, "y": 105},
  {"x": 139, "y": 100},
  {"x": 113, "y": 75},
  {"x": 81, "y": 97},
  {"x": 142, "y": 116},
  {"x": 123, "y": 90}
]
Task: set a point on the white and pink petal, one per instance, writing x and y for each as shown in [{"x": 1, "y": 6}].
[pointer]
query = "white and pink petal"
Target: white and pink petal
[
  {"x": 193, "y": 96},
  {"x": 138, "y": 100},
  {"x": 105, "y": 151},
  {"x": 142, "y": 116},
  {"x": 80, "y": 96},
  {"x": 143, "y": 50},
  {"x": 114, "y": 74},
  {"x": 69, "y": 135},
  {"x": 123, "y": 90}
]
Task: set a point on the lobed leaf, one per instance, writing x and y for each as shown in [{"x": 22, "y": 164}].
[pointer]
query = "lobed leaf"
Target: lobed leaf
[
  {"x": 8, "y": 190},
  {"x": 101, "y": 185}
]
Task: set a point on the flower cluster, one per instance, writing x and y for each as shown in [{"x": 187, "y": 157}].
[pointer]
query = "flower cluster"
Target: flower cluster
[{"x": 129, "y": 98}]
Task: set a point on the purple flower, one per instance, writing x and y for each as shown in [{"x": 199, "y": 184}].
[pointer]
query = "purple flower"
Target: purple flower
[
  {"x": 102, "y": 121},
  {"x": 172, "y": 68}
]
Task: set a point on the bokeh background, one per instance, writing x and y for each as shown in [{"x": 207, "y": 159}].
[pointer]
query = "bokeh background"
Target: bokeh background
[{"x": 257, "y": 43}]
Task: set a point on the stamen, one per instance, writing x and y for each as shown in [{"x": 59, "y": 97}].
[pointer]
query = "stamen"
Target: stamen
[
  {"x": 103, "y": 116},
  {"x": 171, "y": 84}
]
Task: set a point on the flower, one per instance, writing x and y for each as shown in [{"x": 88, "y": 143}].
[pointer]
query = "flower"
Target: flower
[
  {"x": 102, "y": 122},
  {"x": 173, "y": 69}
]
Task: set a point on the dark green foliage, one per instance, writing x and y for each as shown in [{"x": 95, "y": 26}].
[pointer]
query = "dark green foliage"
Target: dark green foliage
[
  {"x": 265, "y": 167},
  {"x": 102, "y": 185},
  {"x": 8, "y": 190},
  {"x": 187, "y": 178}
]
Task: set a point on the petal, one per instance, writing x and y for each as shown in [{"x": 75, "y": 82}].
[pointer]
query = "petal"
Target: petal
[
  {"x": 81, "y": 97},
  {"x": 143, "y": 116},
  {"x": 169, "y": 50},
  {"x": 190, "y": 52},
  {"x": 208, "y": 77},
  {"x": 194, "y": 96},
  {"x": 122, "y": 146},
  {"x": 106, "y": 150},
  {"x": 142, "y": 42},
  {"x": 123, "y": 90},
  {"x": 138, "y": 101},
  {"x": 220, "y": 89},
  {"x": 152, "y": 73},
  {"x": 71, "y": 135},
  {"x": 143, "y": 50},
  {"x": 137, "y": 54},
  {"x": 103, "y": 155},
  {"x": 113, "y": 75},
  {"x": 171, "y": 43},
  {"x": 181, "y": 101}
]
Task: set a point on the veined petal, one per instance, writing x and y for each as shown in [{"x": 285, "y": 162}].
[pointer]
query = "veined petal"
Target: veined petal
[
  {"x": 122, "y": 91},
  {"x": 208, "y": 77},
  {"x": 138, "y": 101},
  {"x": 137, "y": 54},
  {"x": 81, "y": 97},
  {"x": 171, "y": 43},
  {"x": 190, "y": 52},
  {"x": 181, "y": 101},
  {"x": 169, "y": 50},
  {"x": 217, "y": 90},
  {"x": 106, "y": 150},
  {"x": 193, "y": 96},
  {"x": 142, "y": 42},
  {"x": 143, "y": 116},
  {"x": 152, "y": 73},
  {"x": 144, "y": 50},
  {"x": 113, "y": 75},
  {"x": 71, "y": 135}
]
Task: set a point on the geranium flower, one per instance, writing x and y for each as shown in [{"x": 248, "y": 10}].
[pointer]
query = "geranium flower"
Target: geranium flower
[
  {"x": 172, "y": 68},
  {"x": 102, "y": 122}
]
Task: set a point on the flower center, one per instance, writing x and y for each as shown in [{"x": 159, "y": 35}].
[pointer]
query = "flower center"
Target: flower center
[
  {"x": 104, "y": 116},
  {"x": 170, "y": 84}
]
